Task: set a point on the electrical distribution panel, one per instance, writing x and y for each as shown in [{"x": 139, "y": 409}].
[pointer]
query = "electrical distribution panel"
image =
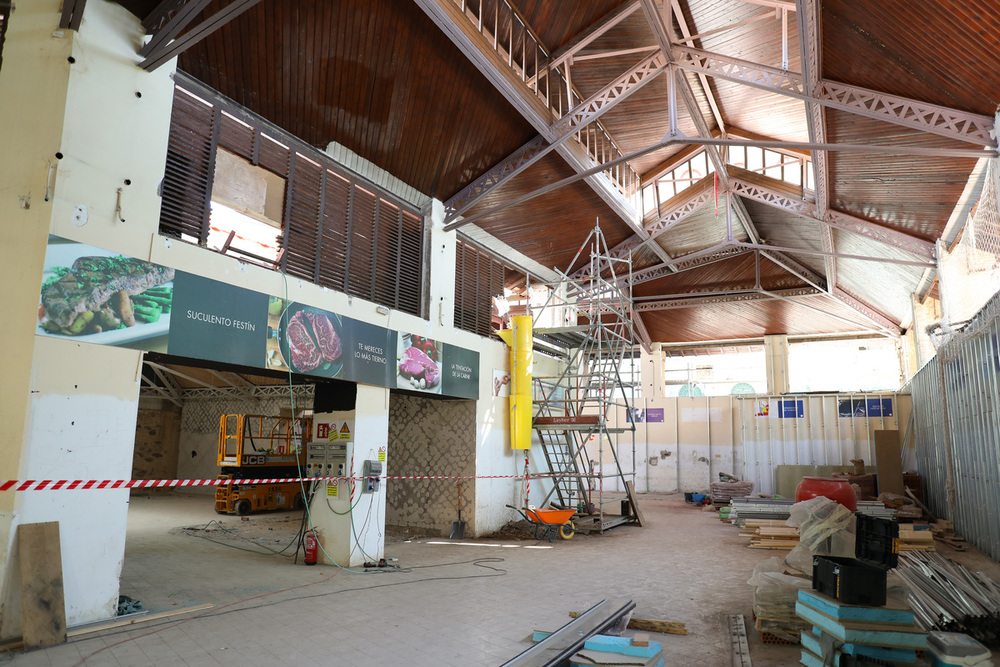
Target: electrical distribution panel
[
  {"x": 372, "y": 474},
  {"x": 326, "y": 459}
]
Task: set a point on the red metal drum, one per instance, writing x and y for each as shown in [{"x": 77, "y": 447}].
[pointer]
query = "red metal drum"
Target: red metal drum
[{"x": 837, "y": 490}]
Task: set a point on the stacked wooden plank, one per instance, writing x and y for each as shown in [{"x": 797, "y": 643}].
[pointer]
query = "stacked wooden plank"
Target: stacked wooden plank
[
  {"x": 915, "y": 537},
  {"x": 774, "y": 534},
  {"x": 769, "y": 534}
]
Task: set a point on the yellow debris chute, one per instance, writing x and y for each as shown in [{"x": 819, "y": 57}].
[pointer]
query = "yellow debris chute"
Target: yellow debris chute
[{"x": 519, "y": 340}]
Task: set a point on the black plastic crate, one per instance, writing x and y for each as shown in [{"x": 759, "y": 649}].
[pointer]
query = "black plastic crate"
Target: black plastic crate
[
  {"x": 850, "y": 580},
  {"x": 861, "y": 580}
]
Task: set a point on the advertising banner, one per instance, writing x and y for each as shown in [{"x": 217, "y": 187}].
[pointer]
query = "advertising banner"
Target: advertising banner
[{"x": 96, "y": 296}]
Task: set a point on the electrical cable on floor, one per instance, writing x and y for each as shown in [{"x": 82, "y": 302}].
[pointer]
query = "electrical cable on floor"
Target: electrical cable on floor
[
  {"x": 308, "y": 509},
  {"x": 270, "y": 552},
  {"x": 211, "y": 613}
]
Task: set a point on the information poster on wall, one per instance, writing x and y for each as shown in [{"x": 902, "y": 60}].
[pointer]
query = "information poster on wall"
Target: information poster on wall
[
  {"x": 865, "y": 407},
  {"x": 96, "y": 296},
  {"x": 781, "y": 408}
]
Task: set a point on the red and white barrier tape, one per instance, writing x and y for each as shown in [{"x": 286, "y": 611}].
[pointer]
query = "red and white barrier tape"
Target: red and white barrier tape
[{"x": 96, "y": 484}]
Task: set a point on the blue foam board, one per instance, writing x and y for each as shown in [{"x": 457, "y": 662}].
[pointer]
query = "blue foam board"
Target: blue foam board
[
  {"x": 846, "y": 612},
  {"x": 869, "y": 637}
]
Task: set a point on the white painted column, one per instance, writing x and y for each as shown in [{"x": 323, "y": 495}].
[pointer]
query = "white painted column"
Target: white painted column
[
  {"x": 652, "y": 372},
  {"x": 350, "y": 537},
  {"x": 776, "y": 364},
  {"x": 441, "y": 296},
  {"x": 85, "y": 130}
]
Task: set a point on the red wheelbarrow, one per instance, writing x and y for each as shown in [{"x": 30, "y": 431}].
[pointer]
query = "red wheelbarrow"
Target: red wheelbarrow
[{"x": 548, "y": 522}]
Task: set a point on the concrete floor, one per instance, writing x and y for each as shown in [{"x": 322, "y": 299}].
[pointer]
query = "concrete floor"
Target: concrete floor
[{"x": 452, "y": 603}]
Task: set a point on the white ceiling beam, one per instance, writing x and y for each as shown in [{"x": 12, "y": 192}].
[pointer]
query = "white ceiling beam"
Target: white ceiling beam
[
  {"x": 838, "y": 294},
  {"x": 496, "y": 68},
  {"x": 155, "y": 388},
  {"x": 952, "y": 123},
  {"x": 687, "y": 301},
  {"x": 569, "y": 50},
  {"x": 662, "y": 33},
  {"x": 870, "y": 230},
  {"x": 810, "y": 56},
  {"x": 563, "y": 129},
  {"x": 706, "y": 88}
]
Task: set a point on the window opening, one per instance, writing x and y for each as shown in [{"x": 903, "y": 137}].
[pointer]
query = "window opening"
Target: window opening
[{"x": 236, "y": 184}]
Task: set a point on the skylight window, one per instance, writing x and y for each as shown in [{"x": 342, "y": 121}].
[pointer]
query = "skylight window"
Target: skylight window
[{"x": 788, "y": 167}]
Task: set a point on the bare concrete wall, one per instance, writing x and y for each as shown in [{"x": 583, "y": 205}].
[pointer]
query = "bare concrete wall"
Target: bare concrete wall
[{"x": 430, "y": 437}]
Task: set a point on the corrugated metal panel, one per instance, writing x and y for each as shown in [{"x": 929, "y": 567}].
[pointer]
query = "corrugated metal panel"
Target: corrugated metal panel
[
  {"x": 940, "y": 52},
  {"x": 957, "y": 423}
]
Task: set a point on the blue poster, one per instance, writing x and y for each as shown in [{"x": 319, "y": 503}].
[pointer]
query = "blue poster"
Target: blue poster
[
  {"x": 861, "y": 407},
  {"x": 791, "y": 409}
]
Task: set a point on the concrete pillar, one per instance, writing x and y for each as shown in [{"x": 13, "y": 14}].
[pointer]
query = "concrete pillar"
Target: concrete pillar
[
  {"x": 441, "y": 296},
  {"x": 349, "y": 520},
  {"x": 81, "y": 121},
  {"x": 776, "y": 364},
  {"x": 652, "y": 372}
]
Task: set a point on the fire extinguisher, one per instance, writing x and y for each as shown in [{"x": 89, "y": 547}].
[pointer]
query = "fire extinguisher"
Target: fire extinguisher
[{"x": 312, "y": 546}]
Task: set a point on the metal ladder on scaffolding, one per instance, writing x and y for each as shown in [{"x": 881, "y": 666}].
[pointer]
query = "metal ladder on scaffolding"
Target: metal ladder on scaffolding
[{"x": 581, "y": 415}]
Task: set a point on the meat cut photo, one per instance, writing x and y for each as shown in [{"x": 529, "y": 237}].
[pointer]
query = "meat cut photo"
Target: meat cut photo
[
  {"x": 311, "y": 340},
  {"x": 418, "y": 363}
]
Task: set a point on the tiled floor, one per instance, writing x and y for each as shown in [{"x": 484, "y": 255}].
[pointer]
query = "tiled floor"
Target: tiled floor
[{"x": 452, "y": 604}]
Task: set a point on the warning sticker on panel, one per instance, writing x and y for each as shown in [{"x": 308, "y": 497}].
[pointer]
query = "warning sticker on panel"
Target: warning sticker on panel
[
  {"x": 333, "y": 489},
  {"x": 345, "y": 432},
  {"x": 381, "y": 454}
]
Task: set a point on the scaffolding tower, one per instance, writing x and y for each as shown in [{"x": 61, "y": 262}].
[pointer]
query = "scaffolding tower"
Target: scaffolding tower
[{"x": 584, "y": 416}]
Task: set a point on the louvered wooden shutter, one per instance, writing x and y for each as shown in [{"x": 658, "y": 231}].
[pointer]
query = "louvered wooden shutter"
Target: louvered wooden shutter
[
  {"x": 336, "y": 231},
  {"x": 187, "y": 179},
  {"x": 478, "y": 278}
]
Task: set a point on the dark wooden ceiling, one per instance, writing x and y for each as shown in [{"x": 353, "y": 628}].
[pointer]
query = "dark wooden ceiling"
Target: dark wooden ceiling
[{"x": 383, "y": 79}]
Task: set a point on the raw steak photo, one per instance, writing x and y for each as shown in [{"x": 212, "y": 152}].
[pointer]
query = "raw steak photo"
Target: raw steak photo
[
  {"x": 313, "y": 340},
  {"x": 415, "y": 366},
  {"x": 303, "y": 350},
  {"x": 326, "y": 336}
]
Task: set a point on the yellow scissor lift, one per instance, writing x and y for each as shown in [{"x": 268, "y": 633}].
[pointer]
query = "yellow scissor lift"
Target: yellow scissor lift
[{"x": 261, "y": 447}]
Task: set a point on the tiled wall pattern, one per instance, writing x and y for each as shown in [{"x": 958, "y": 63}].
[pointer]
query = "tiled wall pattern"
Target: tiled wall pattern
[{"x": 430, "y": 437}]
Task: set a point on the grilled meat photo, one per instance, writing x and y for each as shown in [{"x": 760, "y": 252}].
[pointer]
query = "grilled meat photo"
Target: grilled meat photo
[{"x": 90, "y": 285}]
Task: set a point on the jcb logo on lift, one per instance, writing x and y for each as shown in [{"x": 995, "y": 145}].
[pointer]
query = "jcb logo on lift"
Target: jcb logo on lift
[{"x": 254, "y": 460}]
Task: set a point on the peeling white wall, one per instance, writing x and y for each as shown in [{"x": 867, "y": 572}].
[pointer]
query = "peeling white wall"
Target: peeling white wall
[{"x": 81, "y": 425}]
